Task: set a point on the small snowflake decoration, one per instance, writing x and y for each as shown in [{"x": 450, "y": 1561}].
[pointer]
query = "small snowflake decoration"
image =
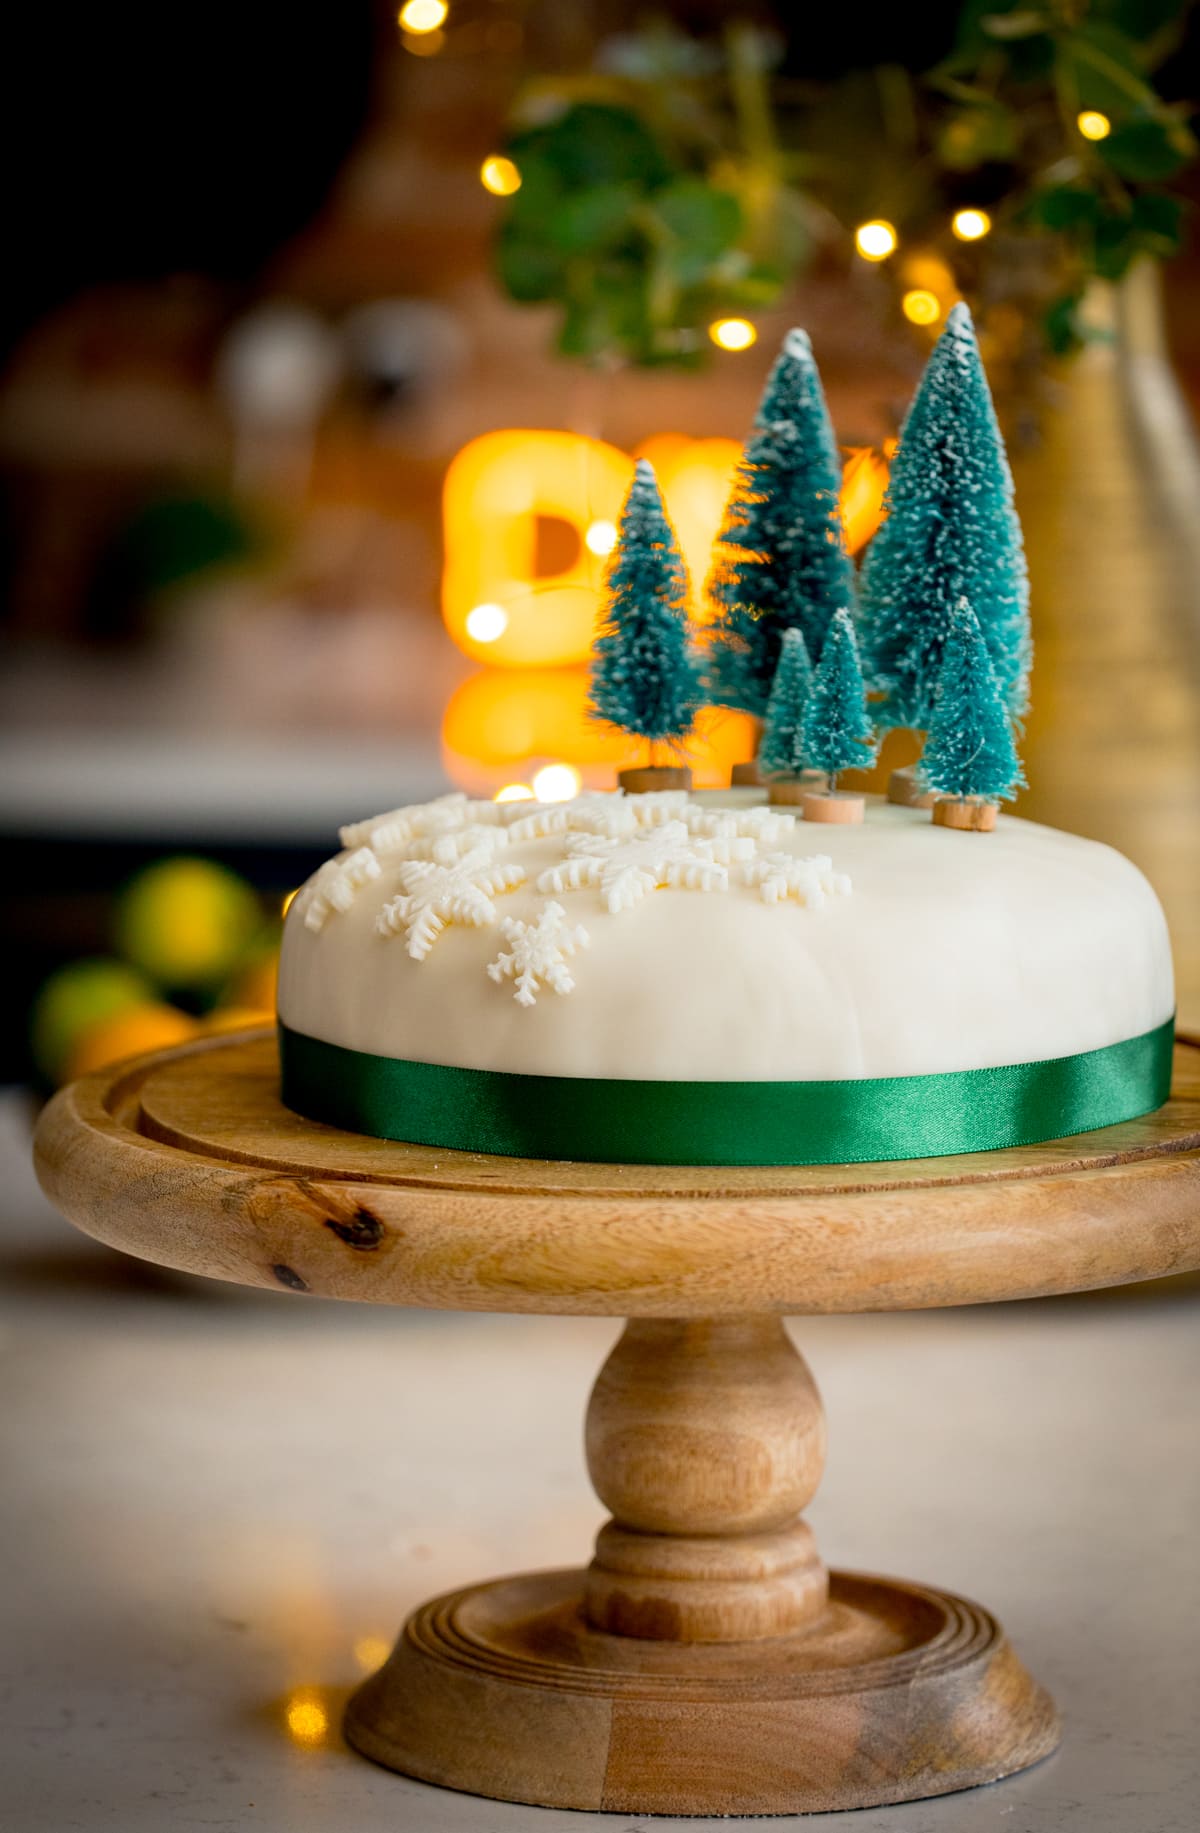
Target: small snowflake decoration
[
  {"x": 623, "y": 871},
  {"x": 334, "y": 886},
  {"x": 612, "y": 816},
  {"x": 445, "y": 849},
  {"x": 767, "y": 825},
  {"x": 539, "y": 953},
  {"x": 659, "y": 805},
  {"x": 391, "y": 832},
  {"x": 810, "y": 881},
  {"x": 540, "y": 823},
  {"x": 434, "y": 895}
]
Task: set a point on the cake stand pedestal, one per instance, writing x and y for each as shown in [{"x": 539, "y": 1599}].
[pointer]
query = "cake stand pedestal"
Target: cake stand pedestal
[{"x": 704, "y": 1662}]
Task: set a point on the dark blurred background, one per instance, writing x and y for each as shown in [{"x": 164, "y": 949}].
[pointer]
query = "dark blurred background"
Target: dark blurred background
[{"x": 272, "y": 271}]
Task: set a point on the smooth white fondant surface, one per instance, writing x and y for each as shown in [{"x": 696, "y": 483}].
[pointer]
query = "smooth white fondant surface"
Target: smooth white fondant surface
[{"x": 952, "y": 951}]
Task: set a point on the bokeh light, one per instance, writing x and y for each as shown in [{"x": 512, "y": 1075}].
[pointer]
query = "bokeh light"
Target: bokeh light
[
  {"x": 601, "y": 538},
  {"x": 421, "y": 16},
  {"x": 307, "y": 1719},
  {"x": 876, "y": 240},
  {"x": 371, "y": 1652},
  {"x": 556, "y": 783},
  {"x": 971, "y": 225},
  {"x": 921, "y": 307},
  {"x": 486, "y": 623},
  {"x": 733, "y": 333},
  {"x": 499, "y": 175},
  {"x": 514, "y": 792},
  {"x": 1093, "y": 125}
]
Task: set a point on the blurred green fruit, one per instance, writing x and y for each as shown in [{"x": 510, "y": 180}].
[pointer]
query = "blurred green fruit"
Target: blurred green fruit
[
  {"x": 76, "y": 998},
  {"x": 186, "y": 922}
]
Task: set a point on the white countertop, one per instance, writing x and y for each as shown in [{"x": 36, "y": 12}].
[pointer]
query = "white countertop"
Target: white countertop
[{"x": 212, "y": 1498}]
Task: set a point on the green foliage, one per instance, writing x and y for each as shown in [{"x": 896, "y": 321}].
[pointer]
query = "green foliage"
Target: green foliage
[
  {"x": 970, "y": 749},
  {"x": 780, "y": 562},
  {"x": 614, "y": 224},
  {"x": 951, "y": 532},
  {"x": 645, "y": 678},
  {"x": 782, "y": 749},
  {"x": 836, "y": 731}
]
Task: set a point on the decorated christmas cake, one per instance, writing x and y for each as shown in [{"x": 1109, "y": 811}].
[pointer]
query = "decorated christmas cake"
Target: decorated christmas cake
[{"x": 795, "y": 973}]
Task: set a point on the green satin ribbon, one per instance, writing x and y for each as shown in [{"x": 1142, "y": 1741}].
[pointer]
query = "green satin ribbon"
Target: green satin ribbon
[{"x": 607, "y": 1121}]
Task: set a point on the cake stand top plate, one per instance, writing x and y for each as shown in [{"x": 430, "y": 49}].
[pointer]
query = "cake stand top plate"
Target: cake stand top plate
[{"x": 187, "y": 1157}]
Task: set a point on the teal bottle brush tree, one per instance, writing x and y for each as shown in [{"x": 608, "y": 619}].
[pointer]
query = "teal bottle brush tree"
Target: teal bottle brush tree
[
  {"x": 836, "y": 732},
  {"x": 951, "y": 532},
  {"x": 781, "y": 755},
  {"x": 970, "y": 759},
  {"x": 645, "y": 673},
  {"x": 780, "y": 562}
]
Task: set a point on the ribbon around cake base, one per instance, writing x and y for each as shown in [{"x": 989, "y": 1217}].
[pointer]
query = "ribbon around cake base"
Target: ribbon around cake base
[{"x": 610, "y": 1121}]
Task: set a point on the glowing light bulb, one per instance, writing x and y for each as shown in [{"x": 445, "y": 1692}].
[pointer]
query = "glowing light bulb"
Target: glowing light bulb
[
  {"x": 1093, "y": 125},
  {"x": 601, "y": 538},
  {"x": 875, "y": 241},
  {"x": 486, "y": 622},
  {"x": 921, "y": 307},
  {"x": 499, "y": 175},
  {"x": 419, "y": 16},
  {"x": 733, "y": 333},
  {"x": 556, "y": 783},
  {"x": 307, "y": 1719},
  {"x": 971, "y": 225},
  {"x": 514, "y": 792}
]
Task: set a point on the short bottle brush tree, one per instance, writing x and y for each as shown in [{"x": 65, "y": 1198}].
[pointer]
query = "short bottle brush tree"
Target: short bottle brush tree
[
  {"x": 645, "y": 674},
  {"x": 780, "y": 561},
  {"x": 836, "y": 732},
  {"x": 970, "y": 756},
  {"x": 951, "y": 532},
  {"x": 782, "y": 752}
]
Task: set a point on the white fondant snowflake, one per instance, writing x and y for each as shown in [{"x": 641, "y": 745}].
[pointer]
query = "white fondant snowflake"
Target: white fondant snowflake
[
  {"x": 446, "y": 848},
  {"x": 612, "y": 816},
  {"x": 434, "y": 895},
  {"x": 659, "y": 805},
  {"x": 767, "y": 825},
  {"x": 783, "y": 875},
  {"x": 549, "y": 818},
  {"x": 334, "y": 886},
  {"x": 391, "y": 832},
  {"x": 539, "y": 953},
  {"x": 623, "y": 871}
]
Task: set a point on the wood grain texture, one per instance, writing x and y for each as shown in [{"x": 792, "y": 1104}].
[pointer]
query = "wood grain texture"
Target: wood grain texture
[
  {"x": 966, "y": 817},
  {"x": 186, "y": 1157},
  {"x": 897, "y": 1692},
  {"x": 705, "y": 1440}
]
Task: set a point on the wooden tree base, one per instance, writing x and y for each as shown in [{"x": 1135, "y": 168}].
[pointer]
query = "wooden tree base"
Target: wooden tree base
[
  {"x": 967, "y": 817},
  {"x": 790, "y": 791},
  {"x": 746, "y": 776},
  {"x": 649, "y": 777},
  {"x": 822, "y": 805},
  {"x": 904, "y": 789},
  {"x": 898, "y": 1693}
]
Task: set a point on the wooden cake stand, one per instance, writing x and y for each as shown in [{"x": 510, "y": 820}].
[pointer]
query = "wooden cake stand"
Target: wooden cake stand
[{"x": 705, "y": 1662}]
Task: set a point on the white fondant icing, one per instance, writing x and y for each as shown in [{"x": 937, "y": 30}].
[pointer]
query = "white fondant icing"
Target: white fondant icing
[
  {"x": 539, "y": 953},
  {"x": 955, "y": 951}
]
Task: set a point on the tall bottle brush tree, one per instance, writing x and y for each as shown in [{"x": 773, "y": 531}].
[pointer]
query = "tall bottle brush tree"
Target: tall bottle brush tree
[
  {"x": 951, "y": 532},
  {"x": 969, "y": 751},
  {"x": 782, "y": 750},
  {"x": 780, "y": 561},
  {"x": 645, "y": 674},
  {"x": 836, "y": 732}
]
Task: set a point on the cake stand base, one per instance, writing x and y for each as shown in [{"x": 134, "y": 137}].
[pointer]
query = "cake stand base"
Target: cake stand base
[{"x": 895, "y": 1692}]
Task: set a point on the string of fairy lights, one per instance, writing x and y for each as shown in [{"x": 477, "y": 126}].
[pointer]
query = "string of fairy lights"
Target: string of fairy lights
[{"x": 421, "y": 24}]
